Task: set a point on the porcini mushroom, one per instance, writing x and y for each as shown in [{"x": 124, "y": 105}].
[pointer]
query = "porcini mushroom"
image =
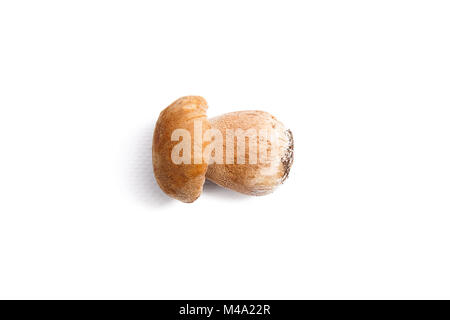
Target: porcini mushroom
[{"x": 181, "y": 163}]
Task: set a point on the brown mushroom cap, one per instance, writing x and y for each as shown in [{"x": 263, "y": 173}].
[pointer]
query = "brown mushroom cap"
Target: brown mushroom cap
[{"x": 180, "y": 181}]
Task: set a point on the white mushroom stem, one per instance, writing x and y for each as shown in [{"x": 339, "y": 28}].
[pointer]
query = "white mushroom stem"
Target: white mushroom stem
[{"x": 270, "y": 170}]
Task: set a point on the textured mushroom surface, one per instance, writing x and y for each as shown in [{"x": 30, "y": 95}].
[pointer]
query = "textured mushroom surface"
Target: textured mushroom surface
[
  {"x": 262, "y": 177},
  {"x": 181, "y": 181}
]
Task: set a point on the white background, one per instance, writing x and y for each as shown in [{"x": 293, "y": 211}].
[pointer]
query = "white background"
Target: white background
[{"x": 363, "y": 85}]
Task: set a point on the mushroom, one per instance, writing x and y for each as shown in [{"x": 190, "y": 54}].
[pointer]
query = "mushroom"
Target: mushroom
[{"x": 187, "y": 148}]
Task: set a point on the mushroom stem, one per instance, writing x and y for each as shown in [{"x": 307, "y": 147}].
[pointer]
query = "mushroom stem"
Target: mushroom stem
[{"x": 270, "y": 169}]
